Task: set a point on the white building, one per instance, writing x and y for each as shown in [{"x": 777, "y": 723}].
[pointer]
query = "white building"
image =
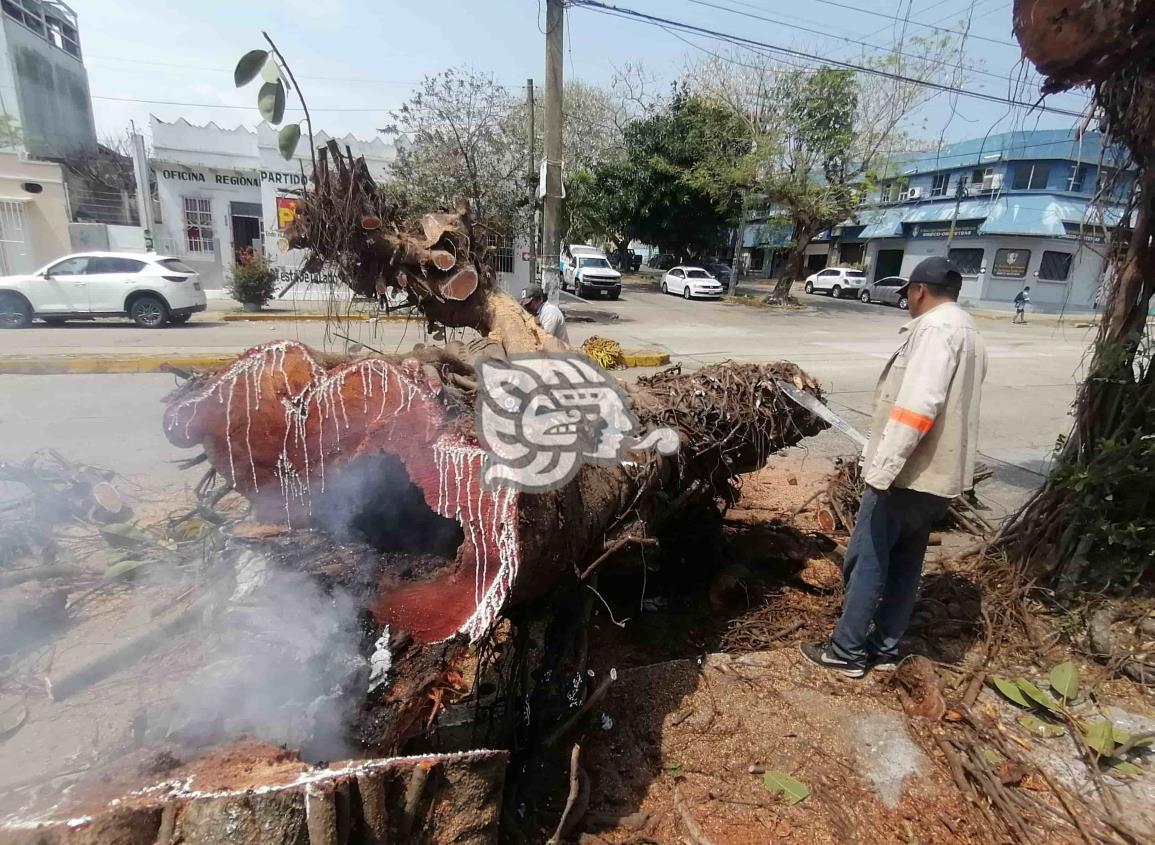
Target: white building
[{"x": 221, "y": 191}]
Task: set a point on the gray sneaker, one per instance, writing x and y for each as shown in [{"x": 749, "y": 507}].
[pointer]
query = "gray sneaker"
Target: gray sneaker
[
  {"x": 821, "y": 654},
  {"x": 885, "y": 664}
]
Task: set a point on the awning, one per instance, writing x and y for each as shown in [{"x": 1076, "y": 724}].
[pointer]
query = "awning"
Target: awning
[
  {"x": 944, "y": 212},
  {"x": 767, "y": 234},
  {"x": 887, "y": 223}
]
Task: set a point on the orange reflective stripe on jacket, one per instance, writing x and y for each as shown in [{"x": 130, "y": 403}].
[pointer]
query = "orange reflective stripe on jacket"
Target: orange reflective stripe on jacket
[{"x": 909, "y": 418}]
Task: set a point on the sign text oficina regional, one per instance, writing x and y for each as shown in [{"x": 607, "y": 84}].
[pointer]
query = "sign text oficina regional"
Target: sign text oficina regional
[{"x": 253, "y": 181}]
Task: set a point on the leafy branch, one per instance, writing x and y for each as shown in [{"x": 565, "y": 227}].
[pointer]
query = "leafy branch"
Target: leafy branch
[{"x": 272, "y": 68}]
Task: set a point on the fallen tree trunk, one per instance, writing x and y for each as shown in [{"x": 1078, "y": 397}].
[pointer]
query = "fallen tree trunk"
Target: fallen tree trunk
[{"x": 327, "y": 448}]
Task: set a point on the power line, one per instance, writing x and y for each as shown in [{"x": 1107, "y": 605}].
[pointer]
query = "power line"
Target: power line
[
  {"x": 378, "y": 109},
  {"x": 943, "y": 19},
  {"x": 895, "y": 18},
  {"x": 738, "y": 40},
  {"x": 846, "y": 39}
]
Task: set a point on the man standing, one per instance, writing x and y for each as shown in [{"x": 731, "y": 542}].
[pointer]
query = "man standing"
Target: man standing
[
  {"x": 1021, "y": 299},
  {"x": 921, "y": 454},
  {"x": 548, "y": 315}
]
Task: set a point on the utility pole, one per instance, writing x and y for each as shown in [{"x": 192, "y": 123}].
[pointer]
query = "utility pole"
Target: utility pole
[
  {"x": 551, "y": 203},
  {"x": 143, "y": 191},
  {"x": 960, "y": 191},
  {"x": 531, "y": 181}
]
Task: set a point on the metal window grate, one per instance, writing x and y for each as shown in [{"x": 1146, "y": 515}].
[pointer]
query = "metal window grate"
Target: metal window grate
[
  {"x": 1055, "y": 266},
  {"x": 12, "y": 243},
  {"x": 501, "y": 253},
  {"x": 968, "y": 261},
  {"x": 198, "y": 223}
]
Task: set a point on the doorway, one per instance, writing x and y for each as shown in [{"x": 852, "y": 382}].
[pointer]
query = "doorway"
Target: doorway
[
  {"x": 246, "y": 220},
  {"x": 888, "y": 262}
]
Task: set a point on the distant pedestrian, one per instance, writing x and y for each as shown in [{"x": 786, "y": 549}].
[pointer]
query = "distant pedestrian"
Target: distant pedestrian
[
  {"x": 548, "y": 315},
  {"x": 1022, "y": 298},
  {"x": 921, "y": 454}
]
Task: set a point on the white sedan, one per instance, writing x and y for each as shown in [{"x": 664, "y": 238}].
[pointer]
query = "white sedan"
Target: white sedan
[{"x": 689, "y": 282}]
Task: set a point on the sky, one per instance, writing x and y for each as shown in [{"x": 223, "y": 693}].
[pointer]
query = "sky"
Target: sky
[{"x": 357, "y": 59}]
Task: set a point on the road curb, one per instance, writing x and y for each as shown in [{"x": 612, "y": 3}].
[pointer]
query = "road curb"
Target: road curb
[
  {"x": 52, "y": 365},
  {"x": 645, "y": 359}
]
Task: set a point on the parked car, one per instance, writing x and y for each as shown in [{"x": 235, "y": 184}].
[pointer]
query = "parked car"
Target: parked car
[
  {"x": 570, "y": 253},
  {"x": 722, "y": 272},
  {"x": 689, "y": 282},
  {"x": 885, "y": 290},
  {"x": 835, "y": 280},
  {"x": 662, "y": 261},
  {"x": 153, "y": 290},
  {"x": 592, "y": 274}
]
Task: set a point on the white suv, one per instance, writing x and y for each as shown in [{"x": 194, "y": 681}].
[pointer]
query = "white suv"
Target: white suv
[
  {"x": 835, "y": 280},
  {"x": 151, "y": 289}
]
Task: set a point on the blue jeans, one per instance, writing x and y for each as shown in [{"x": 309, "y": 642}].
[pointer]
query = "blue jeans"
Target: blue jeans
[{"x": 882, "y": 570}]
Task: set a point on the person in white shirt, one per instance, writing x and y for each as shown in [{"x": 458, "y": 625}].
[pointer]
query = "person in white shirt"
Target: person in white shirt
[
  {"x": 921, "y": 454},
  {"x": 549, "y": 316}
]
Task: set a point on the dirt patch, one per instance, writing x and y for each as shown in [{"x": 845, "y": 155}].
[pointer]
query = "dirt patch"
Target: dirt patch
[{"x": 711, "y": 727}]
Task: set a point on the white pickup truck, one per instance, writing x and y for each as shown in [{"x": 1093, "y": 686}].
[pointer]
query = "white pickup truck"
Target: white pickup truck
[{"x": 586, "y": 271}]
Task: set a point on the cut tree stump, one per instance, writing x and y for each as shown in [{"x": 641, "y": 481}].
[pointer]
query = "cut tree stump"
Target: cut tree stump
[{"x": 273, "y": 801}]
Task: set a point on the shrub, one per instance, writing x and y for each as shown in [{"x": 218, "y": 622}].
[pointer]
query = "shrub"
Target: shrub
[{"x": 253, "y": 279}]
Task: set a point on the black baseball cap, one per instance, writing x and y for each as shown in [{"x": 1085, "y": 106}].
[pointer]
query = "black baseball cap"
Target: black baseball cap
[{"x": 936, "y": 271}]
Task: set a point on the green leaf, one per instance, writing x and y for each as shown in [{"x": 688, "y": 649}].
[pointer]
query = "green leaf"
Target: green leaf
[
  {"x": 271, "y": 102},
  {"x": 288, "y": 139},
  {"x": 1098, "y": 738},
  {"x": 249, "y": 66},
  {"x": 1038, "y": 696},
  {"x": 1126, "y": 767},
  {"x": 791, "y": 790},
  {"x": 270, "y": 72},
  {"x": 1065, "y": 680},
  {"x": 1040, "y": 728},
  {"x": 125, "y": 569},
  {"x": 1011, "y": 691}
]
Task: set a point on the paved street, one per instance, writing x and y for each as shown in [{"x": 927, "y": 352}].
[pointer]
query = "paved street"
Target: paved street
[{"x": 114, "y": 420}]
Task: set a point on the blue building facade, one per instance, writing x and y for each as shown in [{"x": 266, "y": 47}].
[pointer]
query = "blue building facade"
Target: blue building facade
[{"x": 1031, "y": 207}]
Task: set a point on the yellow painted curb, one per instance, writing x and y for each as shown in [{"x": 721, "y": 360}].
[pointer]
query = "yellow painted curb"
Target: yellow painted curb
[
  {"x": 297, "y": 317},
  {"x": 645, "y": 359},
  {"x": 49, "y": 365}
]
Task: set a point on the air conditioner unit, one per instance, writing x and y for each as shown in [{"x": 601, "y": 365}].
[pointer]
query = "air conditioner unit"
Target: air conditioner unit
[
  {"x": 911, "y": 194},
  {"x": 992, "y": 182}
]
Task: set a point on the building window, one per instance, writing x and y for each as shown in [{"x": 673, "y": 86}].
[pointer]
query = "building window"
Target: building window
[
  {"x": 1011, "y": 263},
  {"x": 28, "y": 12},
  {"x": 968, "y": 261},
  {"x": 1031, "y": 176},
  {"x": 938, "y": 189},
  {"x": 198, "y": 225},
  {"x": 1078, "y": 178},
  {"x": 1055, "y": 266},
  {"x": 886, "y": 192},
  {"x": 501, "y": 252}
]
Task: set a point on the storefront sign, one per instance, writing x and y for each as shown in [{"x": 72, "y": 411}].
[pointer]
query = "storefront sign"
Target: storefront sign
[
  {"x": 283, "y": 178},
  {"x": 285, "y": 275},
  {"x": 286, "y": 211},
  {"x": 1090, "y": 234},
  {"x": 1011, "y": 263},
  {"x": 965, "y": 229},
  {"x": 182, "y": 175}
]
